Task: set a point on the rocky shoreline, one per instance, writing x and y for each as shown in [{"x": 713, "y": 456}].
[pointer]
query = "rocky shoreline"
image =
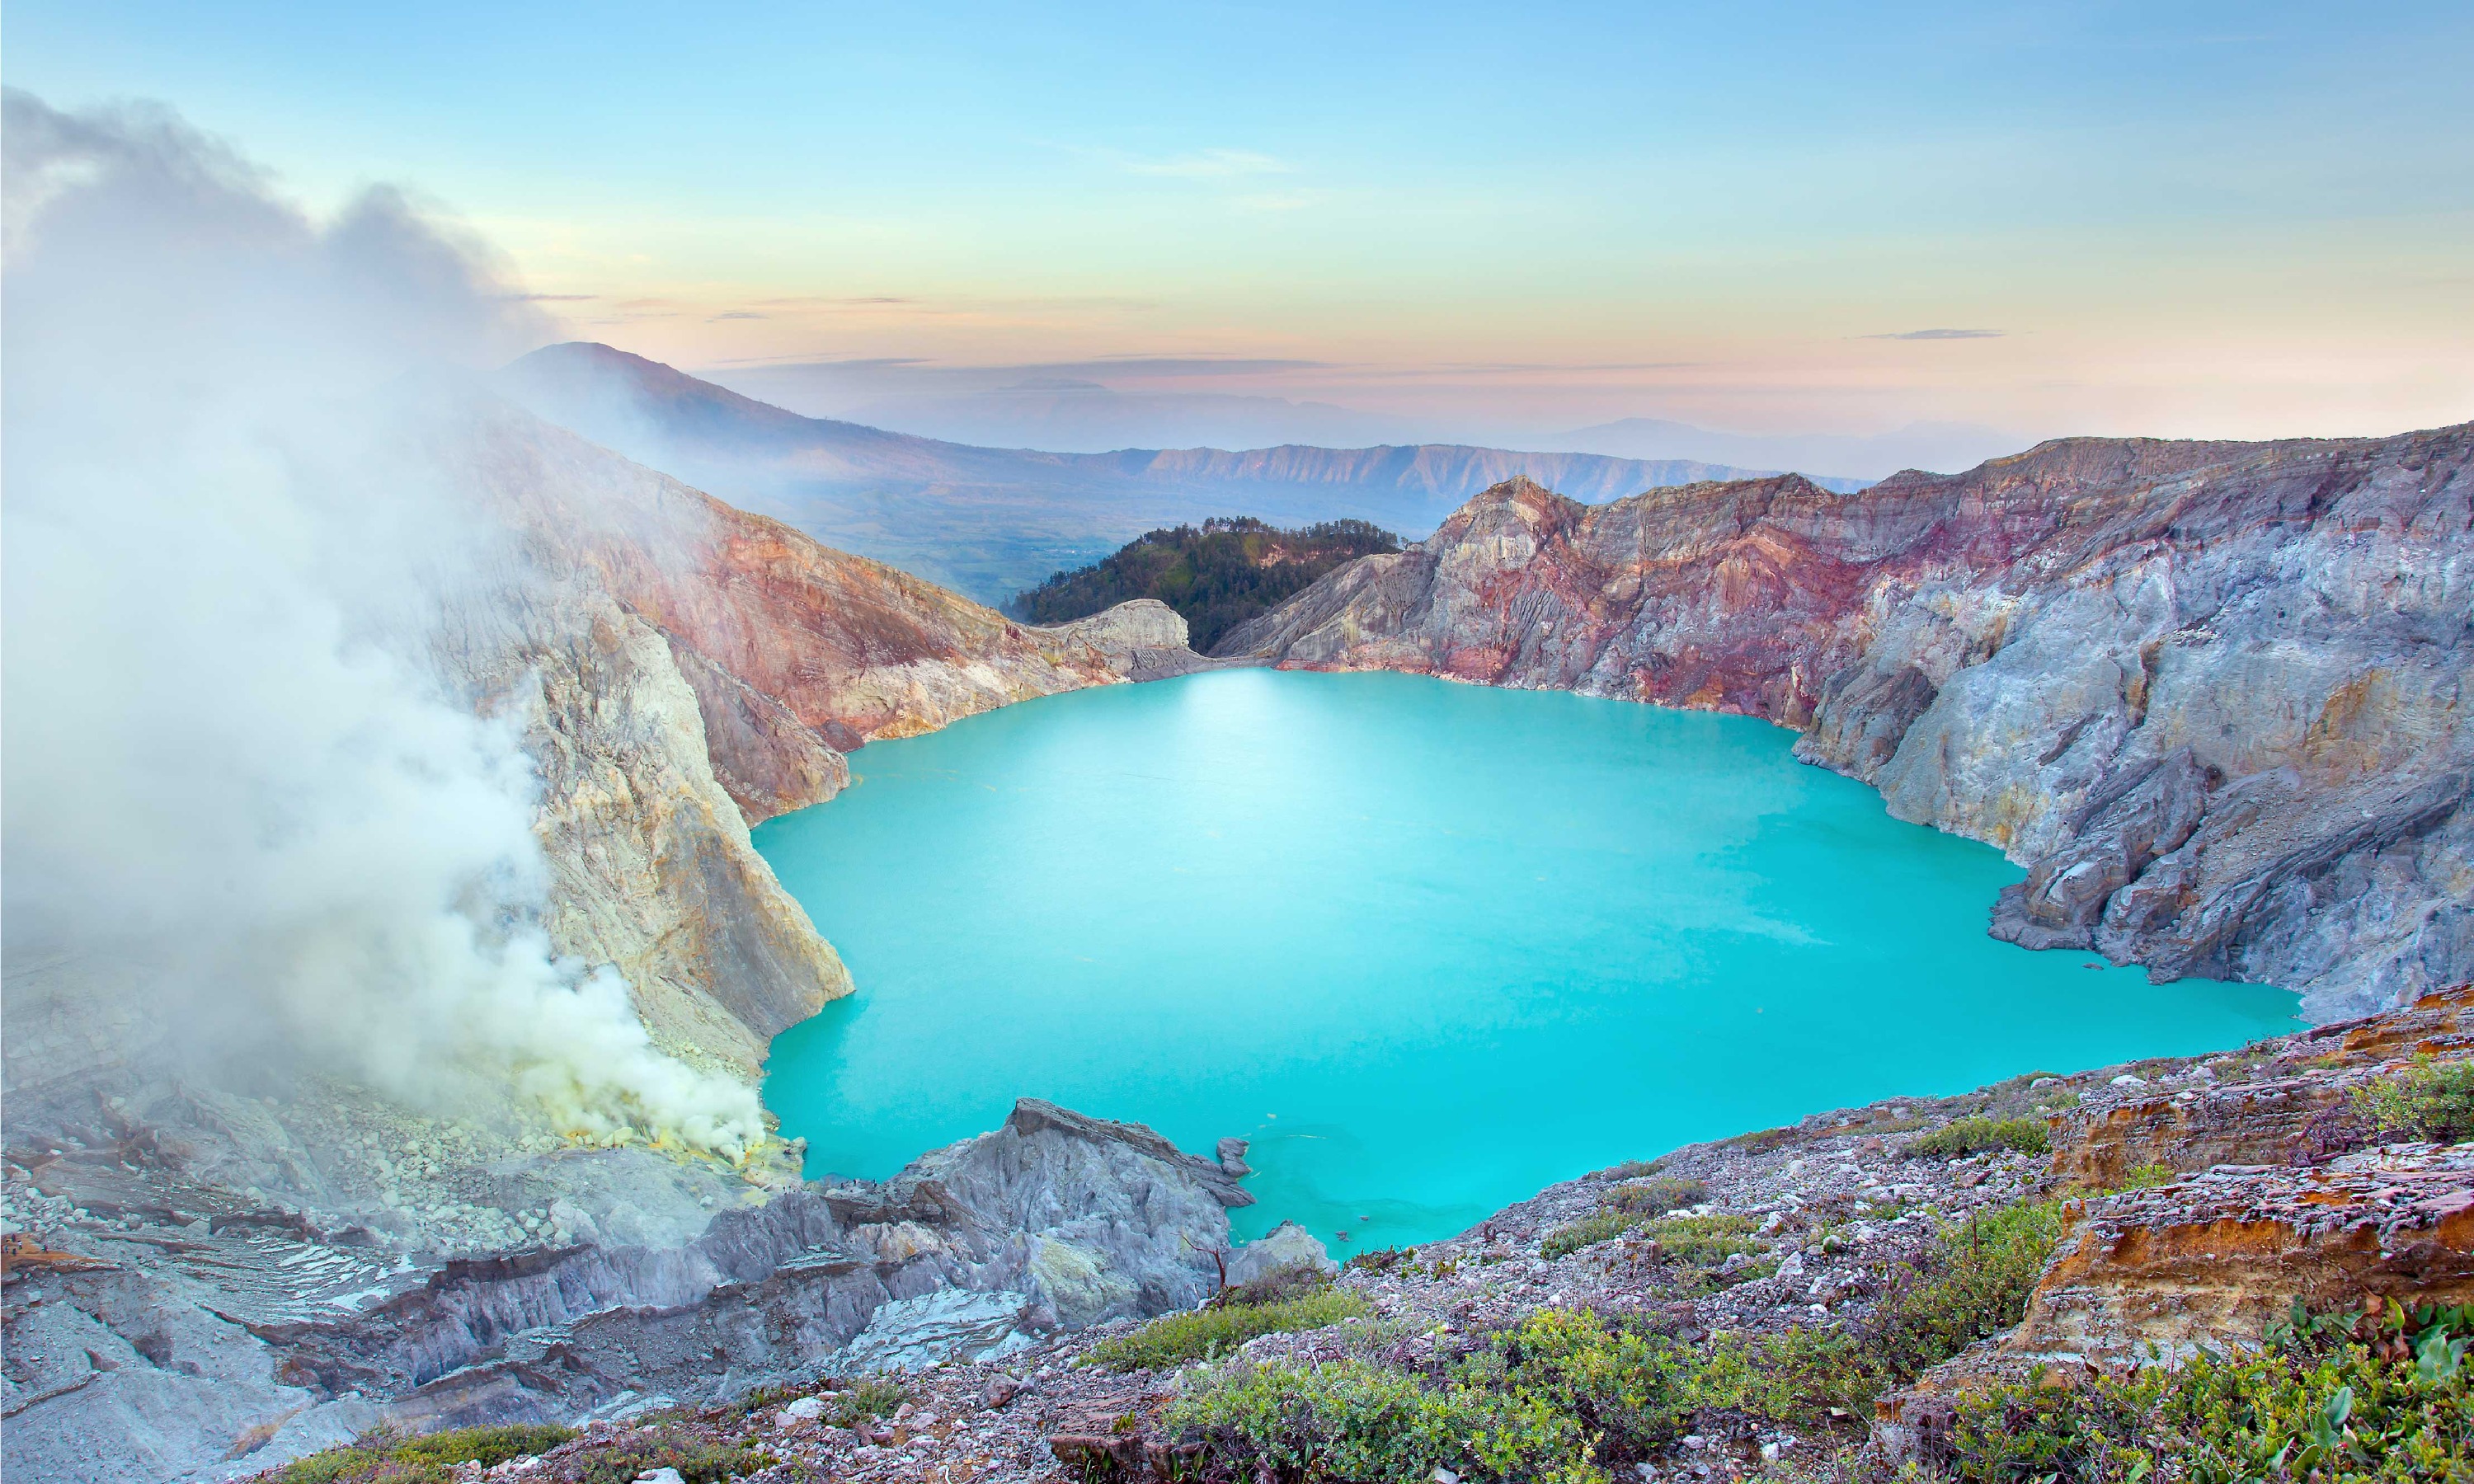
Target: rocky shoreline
[
  {"x": 205, "y": 1276},
  {"x": 2259, "y": 1185},
  {"x": 2211, "y": 695}
]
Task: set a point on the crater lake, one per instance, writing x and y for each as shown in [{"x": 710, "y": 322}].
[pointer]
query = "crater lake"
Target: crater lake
[{"x": 1429, "y": 947}]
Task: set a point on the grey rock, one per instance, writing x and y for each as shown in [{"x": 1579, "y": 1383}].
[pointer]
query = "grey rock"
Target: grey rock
[
  {"x": 1142, "y": 640},
  {"x": 276, "y": 1333},
  {"x": 2211, "y": 695},
  {"x": 1285, "y": 1246}
]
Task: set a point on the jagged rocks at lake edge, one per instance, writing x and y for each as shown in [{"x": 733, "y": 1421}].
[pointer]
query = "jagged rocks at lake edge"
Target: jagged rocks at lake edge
[
  {"x": 2259, "y": 1179},
  {"x": 2212, "y": 695},
  {"x": 269, "y": 1337}
]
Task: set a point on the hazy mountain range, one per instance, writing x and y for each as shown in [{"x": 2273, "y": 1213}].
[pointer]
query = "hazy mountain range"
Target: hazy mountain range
[
  {"x": 1944, "y": 447},
  {"x": 1171, "y": 402},
  {"x": 990, "y": 522}
]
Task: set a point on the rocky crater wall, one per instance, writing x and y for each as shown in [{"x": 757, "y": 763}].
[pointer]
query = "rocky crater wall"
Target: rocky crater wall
[{"x": 2211, "y": 695}]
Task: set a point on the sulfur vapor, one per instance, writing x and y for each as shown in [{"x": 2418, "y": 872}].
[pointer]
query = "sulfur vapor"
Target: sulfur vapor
[{"x": 242, "y": 792}]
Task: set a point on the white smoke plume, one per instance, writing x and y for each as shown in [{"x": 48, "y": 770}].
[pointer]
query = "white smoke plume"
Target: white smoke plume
[{"x": 229, "y": 759}]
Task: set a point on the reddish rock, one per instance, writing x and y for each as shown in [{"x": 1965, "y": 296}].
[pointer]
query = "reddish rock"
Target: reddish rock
[{"x": 2210, "y": 693}]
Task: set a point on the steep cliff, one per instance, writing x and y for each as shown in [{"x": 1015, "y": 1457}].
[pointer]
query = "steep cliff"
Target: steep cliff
[
  {"x": 2210, "y": 694},
  {"x": 683, "y": 670},
  {"x": 245, "y": 1250}
]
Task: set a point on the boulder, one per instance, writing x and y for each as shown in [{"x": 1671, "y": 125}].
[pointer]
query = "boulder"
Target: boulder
[{"x": 1285, "y": 1246}]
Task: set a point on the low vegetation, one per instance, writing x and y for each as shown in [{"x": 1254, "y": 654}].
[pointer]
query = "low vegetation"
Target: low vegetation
[
  {"x": 1623, "y": 1211},
  {"x": 2381, "y": 1395},
  {"x": 1634, "y": 1170},
  {"x": 1217, "y": 577},
  {"x": 1976, "y": 1284},
  {"x": 1209, "y": 1333},
  {"x": 1382, "y": 1260},
  {"x": 386, "y": 1456},
  {"x": 1980, "y": 1134},
  {"x": 1573, "y": 1397},
  {"x": 2430, "y": 1100},
  {"x": 628, "y": 1457}
]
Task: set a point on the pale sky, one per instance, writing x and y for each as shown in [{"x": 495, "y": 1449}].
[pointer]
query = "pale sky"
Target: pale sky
[{"x": 2241, "y": 220}]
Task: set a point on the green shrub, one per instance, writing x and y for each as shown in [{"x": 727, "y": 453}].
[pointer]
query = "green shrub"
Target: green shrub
[
  {"x": 1618, "y": 1385},
  {"x": 1347, "y": 1421},
  {"x": 871, "y": 1396},
  {"x": 621, "y": 1460},
  {"x": 1973, "y": 1284},
  {"x": 1634, "y": 1170},
  {"x": 1569, "y": 1396},
  {"x": 2147, "y": 1177},
  {"x": 1655, "y": 1197},
  {"x": 1381, "y": 1259},
  {"x": 1702, "y": 1241},
  {"x": 1588, "y": 1231},
  {"x": 1289, "y": 1281},
  {"x": 2318, "y": 1403},
  {"x": 1553, "y": 1399},
  {"x": 1975, "y": 1136},
  {"x": 2429, "y": 1099},
  {"x": 385, "y": 1456},
  {"x": 1208, "y": 1333},
  {"x": 1764, "y": 1141},
  {"x": 1620, "y": 1210}
]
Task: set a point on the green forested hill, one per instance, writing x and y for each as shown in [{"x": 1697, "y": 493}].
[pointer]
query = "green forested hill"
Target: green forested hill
[{"x": 1218, "y": 576}]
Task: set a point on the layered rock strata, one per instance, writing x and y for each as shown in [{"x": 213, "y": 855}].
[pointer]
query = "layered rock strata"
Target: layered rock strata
[
  {"x": 2283, "y": 1190},
  {"x": 2210, "y": 694},
  {"x": 683, "y": 670},
  {"x": 270, "y": 1336}
]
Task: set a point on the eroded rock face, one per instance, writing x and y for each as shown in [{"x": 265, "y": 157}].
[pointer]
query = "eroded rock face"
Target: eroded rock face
[
  {"x": 2210, "y": 694},
  {"x": 2216, "y": 1257},
  {"x": 676, "y": 669},
  {"x": 272, "y": 1334},
  {"x": 683, "y": 670},
  {"x": 2283, "y": 1190},
  {"x": 2296, "y": 1109}
]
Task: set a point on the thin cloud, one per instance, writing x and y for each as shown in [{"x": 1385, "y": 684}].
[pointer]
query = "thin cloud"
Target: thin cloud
[
  {"x": 736, "y": 314},
  {"x": 549, "y": 298},
  {"x": 1937, "y": 335},
  {"x": 808, "y": 301},
  {"x": 1171, "y": 366},
  {"x": 1210, "y": 165},
  {"x": 869, "y": 362}
]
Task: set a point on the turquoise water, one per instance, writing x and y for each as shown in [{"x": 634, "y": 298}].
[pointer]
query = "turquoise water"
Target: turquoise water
[{"x": 1431, "y": 946}]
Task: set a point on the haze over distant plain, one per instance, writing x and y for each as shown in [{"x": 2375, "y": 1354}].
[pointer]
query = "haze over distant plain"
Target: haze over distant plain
[{"x": 1251, "y": 224}]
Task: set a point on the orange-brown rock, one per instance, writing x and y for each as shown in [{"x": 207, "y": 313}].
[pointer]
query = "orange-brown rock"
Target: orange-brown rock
[
  {"x": 2270, "y": 1209},
  {"x": 2216, "y": 1257},
  {"x": 2301, "y": 1113}
]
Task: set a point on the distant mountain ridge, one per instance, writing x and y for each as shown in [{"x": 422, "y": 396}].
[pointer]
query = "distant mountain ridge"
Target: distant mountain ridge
[
  {"x": 1946, "y": 446},
  {"x": 991, "y": 523}
]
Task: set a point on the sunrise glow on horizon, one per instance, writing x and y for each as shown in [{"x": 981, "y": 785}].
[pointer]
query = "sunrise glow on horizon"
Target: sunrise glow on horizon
[{"x": 1416, "y": 222}]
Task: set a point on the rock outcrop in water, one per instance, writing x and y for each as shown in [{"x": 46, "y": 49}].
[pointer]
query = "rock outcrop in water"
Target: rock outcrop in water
[{"x": 2212, "y": 695}]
